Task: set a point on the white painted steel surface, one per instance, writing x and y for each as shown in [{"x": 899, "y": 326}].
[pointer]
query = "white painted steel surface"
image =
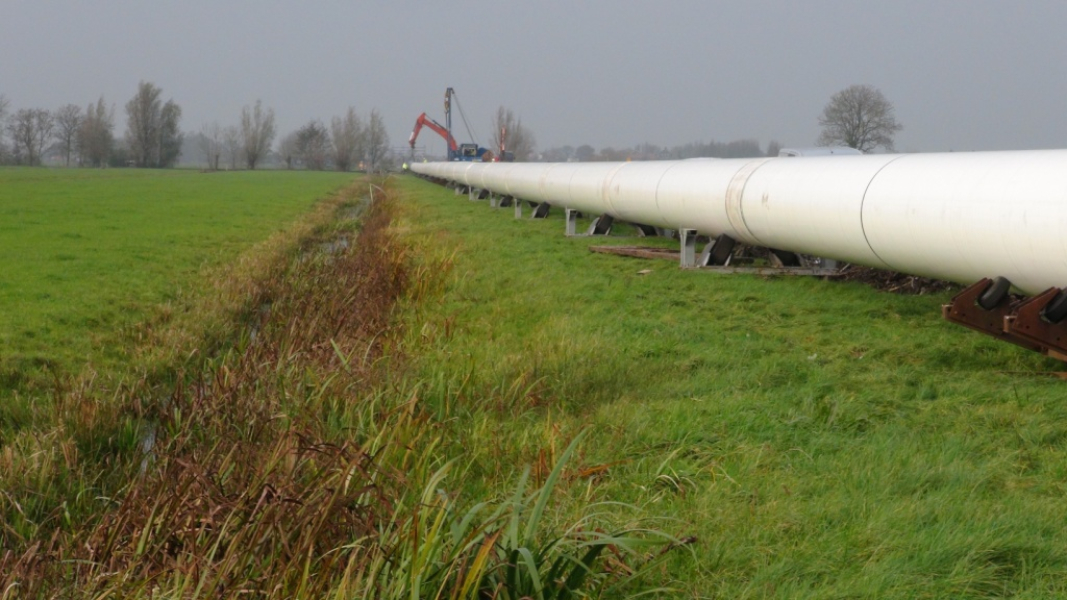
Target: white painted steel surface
[{"x": 956, "y": 216}]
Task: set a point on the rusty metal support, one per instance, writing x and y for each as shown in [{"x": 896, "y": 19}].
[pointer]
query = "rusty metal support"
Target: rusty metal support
[
  {"x": 1019, "y": 322},
  {"x": 1028, "y": 323},
  {"x": 964, "y": 310}
]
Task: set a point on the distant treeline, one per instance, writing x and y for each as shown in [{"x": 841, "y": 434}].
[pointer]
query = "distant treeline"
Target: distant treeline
[
  {"x": 73, "y": 136},
  {"x": 647, "y": 151}
]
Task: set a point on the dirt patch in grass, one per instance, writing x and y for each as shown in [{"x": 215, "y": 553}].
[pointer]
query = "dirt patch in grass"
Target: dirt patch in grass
[{"x": 894, "y": 282}]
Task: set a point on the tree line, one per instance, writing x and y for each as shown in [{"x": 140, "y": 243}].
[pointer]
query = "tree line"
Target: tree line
[
  {"x": 153, "y": 137},
  {"x": 86, "y": 136},
  {"x": 859, "y": 116},
  {"x": 746, "y": 148},
  {"x": 82, "y": 137},
  {"x": 586, "y": 153},
  {"x": 349, "y": 142}
]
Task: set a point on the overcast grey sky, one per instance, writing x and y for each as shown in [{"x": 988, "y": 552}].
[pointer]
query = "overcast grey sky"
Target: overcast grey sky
[{"x": 964, "y": 75}]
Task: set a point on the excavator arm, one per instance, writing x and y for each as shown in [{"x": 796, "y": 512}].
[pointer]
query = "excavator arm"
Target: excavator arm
[
  {"x": 467, "y": 152},
  {"x": 437, "y": 128}
]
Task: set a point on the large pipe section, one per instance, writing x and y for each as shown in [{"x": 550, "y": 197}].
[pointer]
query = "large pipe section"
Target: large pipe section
[{"x": 954, "y": 216}]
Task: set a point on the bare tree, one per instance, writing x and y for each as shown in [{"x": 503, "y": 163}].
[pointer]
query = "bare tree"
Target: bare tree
[
  {"x": 4, "y": 102},
  {"x": 211, "y": 145},
  {"x": 170, "y": 136},
  {"x": 517, "y": 140},
  {"x": 377, "y": 141},
  {"x": 313, "y": 145},
  {"x": 859, "y": 117},
  {"x": 142, "y": 123},
  {"x": 45, "y": 124},
  {"x": 30, "y": 130},
  {"x": 257, "y": 133},
  {"x": 347, "y": 134},
  {"x": 68, "y": 120},
  {"x": 96, "y": 134},
  {"x": 231, "y": 145},
  {"x": 773, "y": 148},
  {"x": 152, "y": 132},
  {"x": 289, "y": 149}
]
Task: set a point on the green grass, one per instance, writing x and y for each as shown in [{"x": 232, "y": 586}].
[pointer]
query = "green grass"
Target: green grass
[
  {"x": 819, "y": 439},
  {"x": 295, "y": 463},
  {"x": 89, "y": 253},
  {"x": 396, "y": 425}
]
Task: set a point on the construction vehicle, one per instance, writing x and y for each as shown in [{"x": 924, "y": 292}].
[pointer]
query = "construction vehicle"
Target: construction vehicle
[
  {"x": 465, "y": 152},
  {"x": 469, "y": 152}
]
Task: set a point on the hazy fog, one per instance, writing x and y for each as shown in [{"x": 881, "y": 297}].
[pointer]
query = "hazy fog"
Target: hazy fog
[{"x": 963, "y": 75}]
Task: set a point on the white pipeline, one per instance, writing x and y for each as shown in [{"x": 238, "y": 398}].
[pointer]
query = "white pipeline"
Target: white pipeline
[{"x": 955, "y": 216}]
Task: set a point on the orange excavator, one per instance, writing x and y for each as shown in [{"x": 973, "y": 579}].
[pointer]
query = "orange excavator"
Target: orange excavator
[
  {"x": 456, "y": 151},
  {"x": 467, "y": 152}
]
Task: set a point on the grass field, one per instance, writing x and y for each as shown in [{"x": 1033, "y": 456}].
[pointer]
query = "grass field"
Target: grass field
[
  {"x": 88, "y": 253},
  {"x": 293, "y": 459},
  {"x": 818, "y": 439},
  {"x": 795, "y": 438}
]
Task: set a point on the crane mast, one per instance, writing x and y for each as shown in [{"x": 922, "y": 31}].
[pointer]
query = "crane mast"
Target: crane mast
[
  {"x": 448, "y": 120},
  {"x": 464, "y": 152}
]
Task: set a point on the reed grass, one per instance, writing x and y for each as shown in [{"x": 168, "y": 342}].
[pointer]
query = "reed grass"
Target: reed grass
[{"x": 276, "y": 443}]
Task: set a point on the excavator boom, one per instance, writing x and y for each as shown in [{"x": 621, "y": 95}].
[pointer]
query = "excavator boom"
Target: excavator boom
[
  {"x": 425, "y": 121},
  {"x": 467, "y": 152}
]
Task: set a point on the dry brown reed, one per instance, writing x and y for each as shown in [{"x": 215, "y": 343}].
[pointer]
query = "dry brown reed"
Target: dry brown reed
[
  {"x": 274, "y": 449},
  {"x": 244, "y": 487}
]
